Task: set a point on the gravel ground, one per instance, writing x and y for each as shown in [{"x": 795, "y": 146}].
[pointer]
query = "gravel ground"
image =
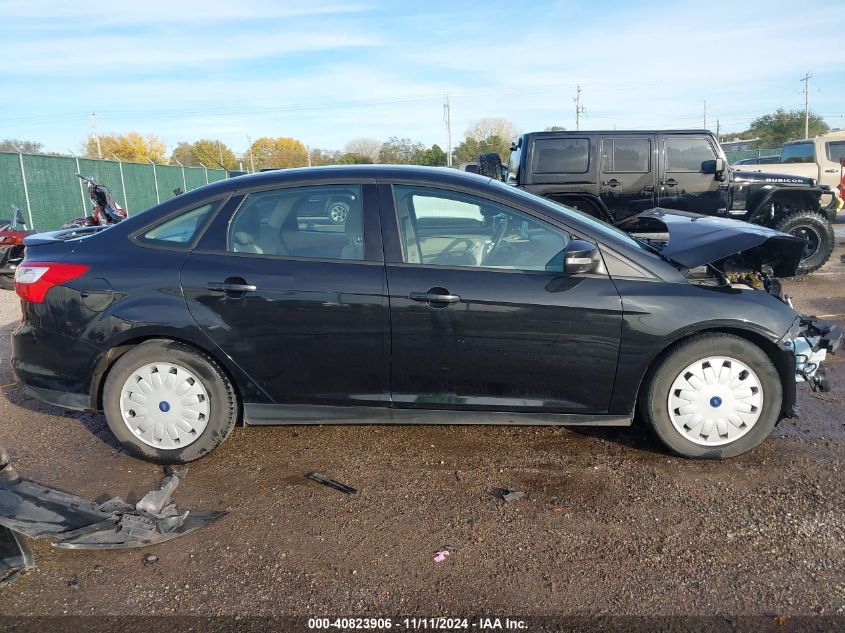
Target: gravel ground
[{"x": 610, "y": 524}]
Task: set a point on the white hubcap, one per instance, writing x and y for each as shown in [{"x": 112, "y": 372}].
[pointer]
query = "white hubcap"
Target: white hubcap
[
  {"x": 338, "y": 213},
  {"x": 164, "y": 405},
  {"x": 715, "y": 401}
]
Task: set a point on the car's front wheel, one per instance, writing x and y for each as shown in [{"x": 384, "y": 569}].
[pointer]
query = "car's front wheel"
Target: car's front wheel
[
  {"x": 713, "y": 396},
  {"x": 168, "y": 403}
]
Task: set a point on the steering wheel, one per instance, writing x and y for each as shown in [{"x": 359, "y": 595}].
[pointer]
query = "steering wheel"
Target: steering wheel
[{"x": 497, "y": 238}]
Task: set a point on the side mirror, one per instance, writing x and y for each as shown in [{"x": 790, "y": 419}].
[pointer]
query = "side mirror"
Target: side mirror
[
  {"x": 580, "y": 257},
  {"x": 716, "y": 166}
]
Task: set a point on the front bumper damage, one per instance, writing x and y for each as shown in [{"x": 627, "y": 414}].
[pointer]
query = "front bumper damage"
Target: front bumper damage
[{"x": 810, "y": 340}]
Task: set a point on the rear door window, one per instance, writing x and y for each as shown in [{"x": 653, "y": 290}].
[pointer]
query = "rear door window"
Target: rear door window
[
  {"x": 561, "y": 156},
  {"x": 625, "y": 155},
  {"x": 320, "y": 222},
  {"x": 798, "y": 153}
]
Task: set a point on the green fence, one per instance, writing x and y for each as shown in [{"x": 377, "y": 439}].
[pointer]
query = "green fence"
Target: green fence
[
  {"x": 751, "y": 153},
  {"x": 49, "y": 193}
]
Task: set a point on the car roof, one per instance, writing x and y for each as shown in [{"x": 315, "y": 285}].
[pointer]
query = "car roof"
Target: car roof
[{"x": 616, "y": 132}]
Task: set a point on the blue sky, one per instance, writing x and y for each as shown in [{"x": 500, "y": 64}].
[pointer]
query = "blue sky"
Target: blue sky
[{"x": 329, "y": 71}]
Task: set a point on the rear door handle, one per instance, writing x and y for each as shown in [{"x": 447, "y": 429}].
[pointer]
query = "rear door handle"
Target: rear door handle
[
  {"x": 669, "y": 183},
  {"x": 611, "y": 183},
  {"x": 433, "y": 297},
  {"x": 830, "y": 171},
  {"x": 648, "y": 188},
  {"x": 222, "y": 286}
]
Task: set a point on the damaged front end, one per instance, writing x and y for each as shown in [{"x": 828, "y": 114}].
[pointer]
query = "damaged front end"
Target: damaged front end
[
  {"x": 811, "y": 339},
  {"x": 720, "y": 252}
]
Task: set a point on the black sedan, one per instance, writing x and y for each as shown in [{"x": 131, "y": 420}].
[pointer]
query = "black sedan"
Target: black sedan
[{"x": 442, "y": 297}]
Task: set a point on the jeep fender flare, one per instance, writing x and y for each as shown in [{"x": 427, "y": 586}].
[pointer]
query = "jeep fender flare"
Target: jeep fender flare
[{"x": 811, "y": 197}]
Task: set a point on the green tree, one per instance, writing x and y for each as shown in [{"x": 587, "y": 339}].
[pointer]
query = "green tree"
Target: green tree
[
  {"x": 782, "y": 126},
  {"x": 16, "y": 145},
  {"x": 354, "y": 159},
  {"x": 184, "y": 153},
  {"x": 399, "y": 151},
  {"x": 433, "y": 157}
]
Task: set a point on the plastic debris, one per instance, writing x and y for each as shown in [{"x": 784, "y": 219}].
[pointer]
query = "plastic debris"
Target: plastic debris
[
  {"x": 71, "y": 522},
  {"x": 331, "y": 483},
  {"x": 510, "y": 495},
  {"x": 73, "y": 583},
  {"x": 149, "y": 559}
]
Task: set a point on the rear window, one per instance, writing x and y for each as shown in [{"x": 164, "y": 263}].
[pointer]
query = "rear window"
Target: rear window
[
  {"x": 182, "y": 229},
  {"x": 836, "y": 151},
  {"x": 561, "y": 156},
  {"x": 798, "y": 153}
]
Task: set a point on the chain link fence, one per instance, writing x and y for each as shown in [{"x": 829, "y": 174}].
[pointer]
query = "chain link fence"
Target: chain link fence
[
  {"x": 48, "y": 192},
  {"x": 741, "y": 154}
]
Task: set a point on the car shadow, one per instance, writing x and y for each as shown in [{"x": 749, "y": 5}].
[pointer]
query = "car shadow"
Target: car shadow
[
  {"x": 636, "y": 436},
  {"x": 95, "y": 423}
]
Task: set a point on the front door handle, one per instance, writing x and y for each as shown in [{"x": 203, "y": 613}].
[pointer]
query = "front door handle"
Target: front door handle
[
  {"x": 433, "y": 297},
  {"x": 649, "y": 188},
  {"x": 831, "y": 171},
  {"x": 224, "y": 286},
  {"x": 669, "y": 183},
  {"x": 611, "y": 183}
]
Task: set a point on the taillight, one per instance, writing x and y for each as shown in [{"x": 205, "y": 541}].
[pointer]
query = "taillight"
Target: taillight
[{"x": 33, "y": 280}]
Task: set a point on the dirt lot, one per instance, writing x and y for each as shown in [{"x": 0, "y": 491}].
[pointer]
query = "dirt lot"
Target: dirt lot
[{"x": 610, "y": 523}]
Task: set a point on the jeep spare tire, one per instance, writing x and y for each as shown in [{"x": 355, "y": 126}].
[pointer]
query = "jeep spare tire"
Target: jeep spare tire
[
  {"x": 817, "y": 234},
  {"x": 490, "y": 165}
]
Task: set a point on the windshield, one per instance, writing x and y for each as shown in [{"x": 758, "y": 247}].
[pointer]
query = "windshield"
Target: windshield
[{"x": 597, "y": 225}]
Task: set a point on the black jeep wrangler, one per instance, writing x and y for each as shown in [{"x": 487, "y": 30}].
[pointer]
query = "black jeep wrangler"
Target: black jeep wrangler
[{"x": 614, "y": 175}]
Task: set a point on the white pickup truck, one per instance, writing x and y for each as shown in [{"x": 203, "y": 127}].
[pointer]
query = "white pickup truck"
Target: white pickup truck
[{"x": 820, "y": 158}]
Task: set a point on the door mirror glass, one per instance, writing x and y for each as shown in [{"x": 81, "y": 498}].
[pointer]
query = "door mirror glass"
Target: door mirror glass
[
  {"x": 715, "y": 166},
  {"x": 581, "y": 257}
]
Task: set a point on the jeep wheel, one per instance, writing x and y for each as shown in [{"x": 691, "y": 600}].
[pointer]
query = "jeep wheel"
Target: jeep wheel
[
  {"x": 713, "y": 396},
  {"x": 490, "y": 165},
  {"x": 817, "y": 234}
]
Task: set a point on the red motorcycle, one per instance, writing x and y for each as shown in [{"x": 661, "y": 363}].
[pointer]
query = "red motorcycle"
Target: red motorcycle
[
  {"x": 11, "y": 247},
  {"x": 105, "y": 210}
]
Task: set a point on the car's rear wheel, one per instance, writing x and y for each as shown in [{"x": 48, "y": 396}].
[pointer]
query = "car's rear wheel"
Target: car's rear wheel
[
  {"x": 713, "y": 396},
  {"x": 817, "y": 234},
  {"x": 168, "y": 403},
  {"x": 7, "y": 281}
]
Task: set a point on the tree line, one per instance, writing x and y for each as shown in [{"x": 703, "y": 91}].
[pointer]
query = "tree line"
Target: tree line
[{"x": 485, "y": 135}]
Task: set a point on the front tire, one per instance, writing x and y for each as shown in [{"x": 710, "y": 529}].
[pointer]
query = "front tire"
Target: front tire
[
  {"x": 713, "y": 396},
  {"x": 818, "y": 234},
  {"x": 169, "y": 403}
]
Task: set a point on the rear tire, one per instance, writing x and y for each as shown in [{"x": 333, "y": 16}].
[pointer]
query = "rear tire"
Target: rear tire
[
  {"x": 7, "y": 281},
  {"x": 710, "y": 414},
  {"x": 490, "y": 165},
  {"x": 818, "y": 232},
  {"x": 189, "y": 434}
]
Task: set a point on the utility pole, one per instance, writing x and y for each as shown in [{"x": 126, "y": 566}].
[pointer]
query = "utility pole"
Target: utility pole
[
  {"x": 447, "y": 119},
  {"x": 718, "y": 128},
  {"x": 220, "y": 153},
  {"x": 705, "y": 114},
  {"x": 308, "y": 152},
  {"x": 96, "y": 136},
  {"x": 806, "y": 80},
  {"x": 251, "y": 161},
  {"x": 579, "y": 108}
]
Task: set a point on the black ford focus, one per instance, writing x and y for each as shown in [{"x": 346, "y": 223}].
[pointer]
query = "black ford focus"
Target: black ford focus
[{"x": 439, "y": 297}]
